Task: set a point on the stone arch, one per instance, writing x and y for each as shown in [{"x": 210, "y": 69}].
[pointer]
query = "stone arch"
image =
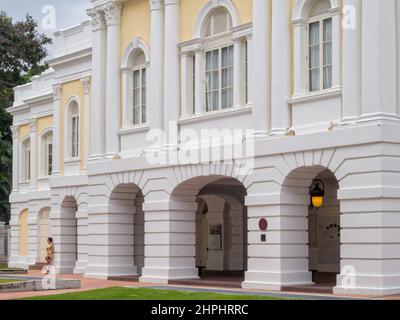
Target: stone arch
[
  {"x": 44, "y": 232},
  {"x": 136, "y": 45},
  {"x": 208, "y": 9},
  {"x": 126, "y": 230},
  {"x": 23, "y": 233}
]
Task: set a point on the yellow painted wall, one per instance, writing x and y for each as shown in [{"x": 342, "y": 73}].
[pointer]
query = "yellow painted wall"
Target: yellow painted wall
[
  {"x": 135, "y": 22},
  {"x": 23, "y": 233},
  {"x": 23, "y": 132},
  {"x": 72, "y": 89},
  {"x": 191, "y": 8},
  {"x": 43, "y": 124}
]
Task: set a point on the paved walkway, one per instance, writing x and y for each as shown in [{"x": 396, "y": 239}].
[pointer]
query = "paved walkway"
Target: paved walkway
[{"x": 93, "y": 284}]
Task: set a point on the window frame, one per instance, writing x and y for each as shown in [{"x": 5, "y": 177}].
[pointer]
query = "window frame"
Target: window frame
[
  {"x": 142, "y": 96},
  {"x": 320, "y": 19},
  {"x": 220, "y": 88},
  {"x": 26, "y": 160},
  {"x": 46, "y": 157}
]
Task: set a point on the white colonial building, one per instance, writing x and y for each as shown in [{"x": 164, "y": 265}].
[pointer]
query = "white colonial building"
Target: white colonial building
[{"x": 177, "y": 135}]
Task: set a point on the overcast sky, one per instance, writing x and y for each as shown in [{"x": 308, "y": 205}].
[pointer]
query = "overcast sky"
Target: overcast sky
[{"x": 67, "y": 13}]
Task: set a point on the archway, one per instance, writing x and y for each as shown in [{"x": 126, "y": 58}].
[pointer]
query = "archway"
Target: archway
[
  {"x": 318, "y": 230},
  {"x": 23, "y": 233},
  {"x": 221, "y": 229},
  {"x": 126, "y": 232},
  {"x": 66, "y": 241},
  {"x": 44, "y": 232}
]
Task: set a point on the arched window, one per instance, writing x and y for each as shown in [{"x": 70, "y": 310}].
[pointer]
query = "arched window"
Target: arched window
[
  {"x": 26, "y": 160},
  {"x": 138, "y": 101},
  {"x": 134, "y": 83},
  {"x": 316, "y": 33},
  {"x": 219, "y": 73},
  {"x": 47, "y": 154},
  {"x": 73, "y": 129},
  {"x": 320, "y": 46}
]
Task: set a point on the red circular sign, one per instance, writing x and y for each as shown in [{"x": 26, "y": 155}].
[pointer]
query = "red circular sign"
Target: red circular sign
[{"x": 263, "y": 224}]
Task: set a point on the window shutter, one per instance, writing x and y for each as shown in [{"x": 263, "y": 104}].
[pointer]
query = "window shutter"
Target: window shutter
[{"x": 320, "y": 7}]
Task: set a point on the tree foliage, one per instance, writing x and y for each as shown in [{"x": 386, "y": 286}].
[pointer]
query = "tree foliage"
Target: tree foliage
[{"x": 22, "y": 50}]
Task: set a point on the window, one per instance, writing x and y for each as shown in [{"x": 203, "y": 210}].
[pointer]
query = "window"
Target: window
[
  {"x": 26, "y": 161},
  {"x": 320, "y": 47},
  {"x": 47, "y": 154},
  {"x": 74, "y": 130},
  {"x": 320, "y": 55},
  {"x": 139, "y": 90},
  {"x": 219, "y": 79},
  {"x": 219, "y": 71}
]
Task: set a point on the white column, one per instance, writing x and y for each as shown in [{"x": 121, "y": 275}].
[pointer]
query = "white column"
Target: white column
[
  {"x": 86, "y": 84},
  {"x": 199, "y": 84},
  {"x": 57, "y": 91},
  {"x": 33, "y": 139},
  {"x": 262, "y": 66},
  {"x": 300, "y": 56},
  {"x": 379, "y": 60},
  {"x": 172, "y": 81},
  {"x": 351, "y": 68},
  {"x": 126, "y": 87},
  {"x": 336, "y": 49},
  {"x": 98, "y": 105},
  {"x": 157, "y": 64},
  {"x": 238, "y": 77},
  {"x": 187, "y": 84},
  {"x": 281, "y": 65},
  {"x": 15, "y": 167},
  {"x": 112, "y": 14}
]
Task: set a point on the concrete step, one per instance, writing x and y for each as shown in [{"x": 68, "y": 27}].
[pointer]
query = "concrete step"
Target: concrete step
[
  {"x": 40, "y": 285},
  {"x": 207, "y": 283}
]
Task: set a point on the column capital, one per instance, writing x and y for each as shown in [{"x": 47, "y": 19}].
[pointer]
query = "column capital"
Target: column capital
[
  {"x": 96, "y": 14},
  {"x": 33, "y": 125},
  {"x": 86, "y": 84},
  {"x": 112, "y": 13},
  {"x": 57, "y": 91},
  {"x": 15, "y": 132},
  {"x": 156, "y": 5}
]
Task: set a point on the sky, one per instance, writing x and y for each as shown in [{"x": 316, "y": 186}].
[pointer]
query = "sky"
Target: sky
[{"x": 51, "y": 15}]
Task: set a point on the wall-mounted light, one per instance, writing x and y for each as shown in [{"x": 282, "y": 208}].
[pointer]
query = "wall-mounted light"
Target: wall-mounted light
[{"x": 317, "y": 193}]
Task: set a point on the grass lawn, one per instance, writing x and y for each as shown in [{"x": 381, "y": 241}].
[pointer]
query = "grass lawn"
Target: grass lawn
[
  {"x": 3, "y": 281},
  {"x": 3, "y": 266},
  {"x": 145, "y": 294}
]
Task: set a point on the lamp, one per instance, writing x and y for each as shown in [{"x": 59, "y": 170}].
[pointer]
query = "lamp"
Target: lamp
[{"x": 317, "y": 194}]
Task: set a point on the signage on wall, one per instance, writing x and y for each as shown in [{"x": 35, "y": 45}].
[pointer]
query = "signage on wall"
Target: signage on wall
[{"x": 263, "y": 224}]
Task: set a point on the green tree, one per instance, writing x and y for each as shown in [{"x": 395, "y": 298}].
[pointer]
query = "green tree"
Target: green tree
[{"x": 22, "y": 50}]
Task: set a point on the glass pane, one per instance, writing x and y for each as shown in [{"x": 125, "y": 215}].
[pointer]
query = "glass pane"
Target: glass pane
[
  {"x": 136, "y": 79},
  {"x": 314, "y": 56},
  {"x": 144, "y": 116},
  {"x": 314, "y": 79},
  {"x": 327, "y": 30},
  {"x": 208, "y": 60},
  {"x": 144, "y": 78},
  {"x": 327, "y": 77},
  {"x": 215, "y": 59},
  {"x": 327, "y": 53},
  {"x": 136, "y": 115},
  {"x": 314, "y": 33}
]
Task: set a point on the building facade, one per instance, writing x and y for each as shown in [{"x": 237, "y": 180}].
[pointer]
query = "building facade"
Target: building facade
[{"x": 174, "y": 135}]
